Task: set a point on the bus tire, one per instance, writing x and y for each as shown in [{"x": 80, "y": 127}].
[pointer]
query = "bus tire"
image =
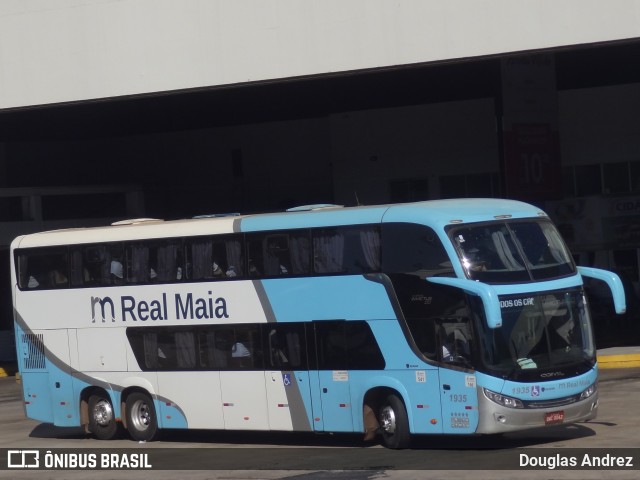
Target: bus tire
[
  {"x": 142, "y": 422},
  {"x": 394, "y": 423},
  {"x": 102, "y": 420}
]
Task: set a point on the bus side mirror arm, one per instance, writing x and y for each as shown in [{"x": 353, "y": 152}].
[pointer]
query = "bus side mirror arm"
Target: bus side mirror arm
[
  {"x": 486, "y": 293},
  {"x": 614, "y": 283}
]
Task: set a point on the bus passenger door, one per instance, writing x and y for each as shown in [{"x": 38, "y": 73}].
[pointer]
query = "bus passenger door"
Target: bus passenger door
[
  {"x": 332, "y": 410},
  {"x": 459, "y": 400}
]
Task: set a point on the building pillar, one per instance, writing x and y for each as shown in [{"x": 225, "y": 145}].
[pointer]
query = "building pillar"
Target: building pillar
[
  {"x": 3, "y": 166},
  {"x": 531, "y": 165}
]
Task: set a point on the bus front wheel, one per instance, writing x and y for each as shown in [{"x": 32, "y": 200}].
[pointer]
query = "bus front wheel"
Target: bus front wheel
[
  {"x": 102, "y": 421},
  {"x": 142, "y": 422},
  {"x": 394, "y": 423}
]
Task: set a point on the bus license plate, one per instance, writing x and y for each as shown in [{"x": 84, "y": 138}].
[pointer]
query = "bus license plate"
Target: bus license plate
[{"x": 553, "y": 417}]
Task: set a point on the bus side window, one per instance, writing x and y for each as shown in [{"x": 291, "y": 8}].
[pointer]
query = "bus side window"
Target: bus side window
[
  {"x": 170, "y": 350},
  {"x": 331, "y": 345},
  {"x": 423, "y": 331},
  {"x": 227, "y": 257},
  {"x": 349, "y": 250},
  {"x": 456, "y": 340},
  {"x": 362, "y": 249},
  {"x": 414, "y": 249},
  {"x": 215, "y": 348},
  {"x": 279, "y": 253},
  {"x": 89, "y": 265},
  {"x": 363, "y": 351},
  {"x": 76, "y": 268},
  {"x": 25, "y": 276},
  {"x": 165, "y": 262},
  {"x": 300, "y": 251},
  {"x": 137, "y": 263},
  {"x": 214, "y": 258},
  {"x": 328, "y": 250},
  {"x": 185, "y": 345},
  {"x": 286, "y": 347},
  {"x": 246, "y": 348},
  {"x": 44, "y": 268}
]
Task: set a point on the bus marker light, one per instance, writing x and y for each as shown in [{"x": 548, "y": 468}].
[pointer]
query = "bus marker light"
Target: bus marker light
[
  {"x": 434, "y": 421},
  {"x": 317, "y": 419},
  {"x": 420, "y": 406},
  {"x": 344, "y": 405},
  {"x": 63, "y": 403},
  {"x": 246, "y": 418},
  {"x": 168, "y": 417},
  {"x": 168, "y": 404}
]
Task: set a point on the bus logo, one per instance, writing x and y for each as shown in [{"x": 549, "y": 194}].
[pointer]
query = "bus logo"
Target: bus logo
[
  {"x": 23, "y": 459},
  {"x": 103, "y": 302}
]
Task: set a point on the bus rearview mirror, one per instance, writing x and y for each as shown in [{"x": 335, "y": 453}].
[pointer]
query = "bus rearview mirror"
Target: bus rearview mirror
[
  {"x": 614, "y": 283},
  {"x": 486, "y": 293}
]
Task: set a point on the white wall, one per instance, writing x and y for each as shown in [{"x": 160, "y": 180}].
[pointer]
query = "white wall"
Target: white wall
[{"x": 70, "y": 50}]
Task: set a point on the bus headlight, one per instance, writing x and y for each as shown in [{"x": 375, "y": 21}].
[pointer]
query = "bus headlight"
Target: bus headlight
[
  {"x": 502, "y": 399},
  {"x": 589, "y": 391}
]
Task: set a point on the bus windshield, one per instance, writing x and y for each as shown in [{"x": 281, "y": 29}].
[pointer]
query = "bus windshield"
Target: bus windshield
[
  {"x": 512, "y": 252},
  {"x": 540, "y": 333}
]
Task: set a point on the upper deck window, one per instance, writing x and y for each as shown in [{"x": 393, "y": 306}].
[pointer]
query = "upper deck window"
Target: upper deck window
[
  {"x": 46, "y": 268},
  {"x": 510, "y": 252},
  {"x": 347, "y": 250},
  {"x": 413, "y": 249}
]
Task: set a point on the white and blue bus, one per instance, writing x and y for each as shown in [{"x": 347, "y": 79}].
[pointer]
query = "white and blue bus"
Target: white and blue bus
[{"x": 440, "y": 317}]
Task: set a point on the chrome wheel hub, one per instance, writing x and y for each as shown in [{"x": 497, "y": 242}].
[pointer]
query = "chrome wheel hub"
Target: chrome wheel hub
[
  {"x": 103, "y": 413},
  {"x": 388, "y": 420},
  {"x": 141, "y": 415}
]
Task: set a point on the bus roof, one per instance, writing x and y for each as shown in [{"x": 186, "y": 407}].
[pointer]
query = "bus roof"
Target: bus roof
[{"x": 435, "y": 213}]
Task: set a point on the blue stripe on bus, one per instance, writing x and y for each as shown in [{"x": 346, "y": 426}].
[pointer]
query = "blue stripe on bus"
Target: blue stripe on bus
[
  {"x": 318, "y": 218},
  {"x": 169, "y": 415},
  {"x": 52, "y": 394},
  {"x": 440, "y": 213},
  {"x": 543, "y": 390},
  {"x": 437, "y": 213},
  {"x": 327, "y": 298}
]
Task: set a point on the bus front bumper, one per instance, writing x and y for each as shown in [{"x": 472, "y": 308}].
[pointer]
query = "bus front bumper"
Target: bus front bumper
[{"x": 495, "y": 418}]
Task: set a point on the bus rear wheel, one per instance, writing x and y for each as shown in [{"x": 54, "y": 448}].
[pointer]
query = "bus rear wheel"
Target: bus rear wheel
[
  {"x": 102, "y": 421},
  {"x": 142, "y": 422},
  {"x": 394, "y": 423}
]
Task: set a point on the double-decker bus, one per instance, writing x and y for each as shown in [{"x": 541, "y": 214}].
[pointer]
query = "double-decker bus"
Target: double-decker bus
[{"x": 439, "y": 317}]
